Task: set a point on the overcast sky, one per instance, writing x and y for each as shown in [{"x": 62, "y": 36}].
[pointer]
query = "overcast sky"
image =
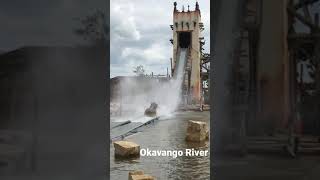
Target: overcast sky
[
  {"x": 43, "y": 22},
  {"x": 140, "y": 33}
]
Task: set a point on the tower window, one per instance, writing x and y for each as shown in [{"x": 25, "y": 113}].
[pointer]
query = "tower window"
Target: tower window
[{"x": 184, "y": 39}]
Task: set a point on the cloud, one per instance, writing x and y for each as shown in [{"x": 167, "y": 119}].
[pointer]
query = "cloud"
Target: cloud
[
  {"x": 45, "y": 22},
  {"x": 154, "y": 58},
  {"x": 120, "y": 69},
  {"x": 155, "y": 54},
  {"x": 140, "y": 34},
  {"x": 123, "y": 25}
]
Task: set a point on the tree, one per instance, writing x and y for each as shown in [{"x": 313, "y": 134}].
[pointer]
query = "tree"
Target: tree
[
  {"x": 93, "y": 27},
  {"x": 139, "y": 70}
]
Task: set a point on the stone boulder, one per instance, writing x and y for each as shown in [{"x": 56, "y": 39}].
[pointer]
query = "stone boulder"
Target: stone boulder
[
  {"x": 139, "y": 175},
  {"x": 152, "y": 110},
  {"x": 197, "y": 131},
  {"x": 126, "y": 149},
  {"x": 135, "y": 173}
]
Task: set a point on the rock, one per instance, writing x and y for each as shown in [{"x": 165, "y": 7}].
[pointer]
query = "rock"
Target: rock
[
  {"x": 197, "y": 131},
  {"x": 142, "y": 177},
  {"x": 126, "y": 149},
  {"x": 152, "y": 110},
  {"x": 135, "y": 173},
  {"x": 207, "y": 134},
  {"x": 139, "y": 175}
]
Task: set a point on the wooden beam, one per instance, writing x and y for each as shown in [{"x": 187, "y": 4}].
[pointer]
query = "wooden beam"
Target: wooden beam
[
  {"x": 303, "y": 19},
  {"x": 304, "y": 3},
  {"x": 316, "y": 19},
  {"x": 303, "y": 36},
  {"x": 204, "y": 67},
  {"x": 307, "y": 13}
]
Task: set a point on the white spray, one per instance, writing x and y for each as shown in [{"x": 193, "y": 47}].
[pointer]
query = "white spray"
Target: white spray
[{"x": 137, "y": 94}]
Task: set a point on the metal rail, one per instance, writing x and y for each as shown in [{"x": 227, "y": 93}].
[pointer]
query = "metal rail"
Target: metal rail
[{"x": 134, "y": 130}]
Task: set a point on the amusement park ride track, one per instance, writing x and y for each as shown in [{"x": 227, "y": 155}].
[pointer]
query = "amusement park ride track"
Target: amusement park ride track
[{"x": 123, "y": 129}]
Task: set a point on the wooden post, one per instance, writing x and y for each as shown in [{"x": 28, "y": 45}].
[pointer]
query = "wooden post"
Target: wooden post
[
  {"x": 171, "y": 65},
  {"x": 225, "y": 23},
  {"x": 35, "y": 122},
  {"x": 121, "y": 94},
  {"x": 301, "y": 76},
  {"x": 316, "y": 19}
]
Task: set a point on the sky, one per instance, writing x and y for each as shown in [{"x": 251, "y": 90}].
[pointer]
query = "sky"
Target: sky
[
  {"x": 140, "y": 33},
  {"x": 43, "y": 22}
]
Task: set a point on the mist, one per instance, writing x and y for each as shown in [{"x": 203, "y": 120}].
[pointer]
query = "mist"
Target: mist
[{"x": 136, "y": 94}]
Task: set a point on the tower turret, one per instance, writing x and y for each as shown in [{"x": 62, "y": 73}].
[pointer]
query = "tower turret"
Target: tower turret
[
  {"x": 186, "y": 34},
  {"x": 175, "y": 6},
  {"x": 197, "y": 6}
]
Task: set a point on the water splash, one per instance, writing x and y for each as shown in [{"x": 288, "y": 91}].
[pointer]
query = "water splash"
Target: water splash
[{"x": 138, "y": 93}]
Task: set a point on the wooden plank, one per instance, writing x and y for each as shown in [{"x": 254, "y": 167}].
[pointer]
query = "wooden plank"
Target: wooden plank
[
  {"x": 304, "y": 3},
  {"x": 303, "y": 19}
]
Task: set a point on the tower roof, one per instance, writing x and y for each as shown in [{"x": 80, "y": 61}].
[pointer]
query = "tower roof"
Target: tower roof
[{"x": 197, "y": 8}]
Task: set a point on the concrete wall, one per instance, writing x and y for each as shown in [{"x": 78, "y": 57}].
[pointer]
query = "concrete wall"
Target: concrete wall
[{"x": 190, "y": 17}]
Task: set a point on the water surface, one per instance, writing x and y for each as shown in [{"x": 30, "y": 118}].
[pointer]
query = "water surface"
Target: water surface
[{"x": 166, "y": 134}]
